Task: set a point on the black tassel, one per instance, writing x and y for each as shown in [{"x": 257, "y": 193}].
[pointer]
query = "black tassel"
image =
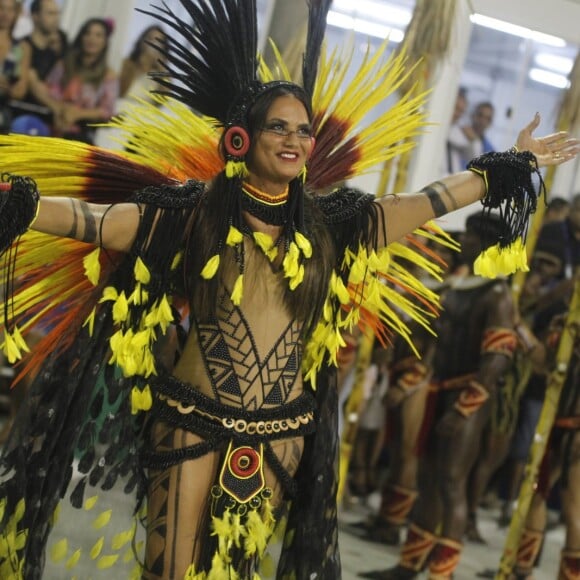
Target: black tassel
[
  {"x": 97, "y": 473},
  {"x": 87, "y": 460},
  {"x": 87, "y": 436},
  {"x": 78, "y": 494},
  {"x": 110, "y": 480},
  {"x": 18, "y": 203},
  {"x": 510, "y": 190},
  {"x": 130, "y": 486}
]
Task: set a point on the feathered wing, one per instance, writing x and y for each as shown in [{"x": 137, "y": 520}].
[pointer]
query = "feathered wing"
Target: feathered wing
[
  {"x": 354, "y": 133},
  {"x": 58, "y": 280}
]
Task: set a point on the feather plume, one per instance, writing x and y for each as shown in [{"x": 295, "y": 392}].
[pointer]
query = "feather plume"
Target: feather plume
[
  {"x": 318, "y": 9},
  {"x": 212, "y": 57}
]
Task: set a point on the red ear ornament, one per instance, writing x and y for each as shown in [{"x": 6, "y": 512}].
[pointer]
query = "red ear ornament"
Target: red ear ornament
[{"x": 236, "y": 141}]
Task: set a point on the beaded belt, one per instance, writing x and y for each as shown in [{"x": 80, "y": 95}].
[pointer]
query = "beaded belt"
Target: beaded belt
[{"x": 266, "y": 427}]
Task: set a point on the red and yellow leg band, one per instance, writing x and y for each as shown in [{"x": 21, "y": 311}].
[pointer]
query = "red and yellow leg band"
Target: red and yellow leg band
[
  {"x": 530, "y": 544},
  {"x": 445, "y": 559},
  {"x": 569, "y": 565},
  {"x": 398, "y": 503},
  {"x": 417, "y": 548},
  {"x": 471, "y": 398}
]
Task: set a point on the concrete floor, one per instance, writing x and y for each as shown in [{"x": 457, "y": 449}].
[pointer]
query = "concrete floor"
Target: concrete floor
[{"x": 359, "y": 555}]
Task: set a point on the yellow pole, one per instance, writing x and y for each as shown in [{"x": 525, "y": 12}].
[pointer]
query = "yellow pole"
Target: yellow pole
[
  {"x": 519, "y": 277},
  {"x": 353, "y": 408},
  {"x": 545, "y": 422}
]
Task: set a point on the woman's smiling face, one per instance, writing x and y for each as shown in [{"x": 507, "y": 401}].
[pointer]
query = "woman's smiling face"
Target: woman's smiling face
[{"x": 281, "y": 147}]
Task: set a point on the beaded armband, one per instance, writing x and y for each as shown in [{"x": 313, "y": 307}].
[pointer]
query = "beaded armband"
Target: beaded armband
[{"x": 471, "y": 398}]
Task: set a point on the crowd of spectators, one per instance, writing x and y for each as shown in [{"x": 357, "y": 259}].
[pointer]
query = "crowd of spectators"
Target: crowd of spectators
[{"x": 52, "y": 86}]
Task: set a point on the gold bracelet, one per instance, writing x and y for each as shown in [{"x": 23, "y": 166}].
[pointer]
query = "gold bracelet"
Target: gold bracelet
[{"x": 483, "y": 174}]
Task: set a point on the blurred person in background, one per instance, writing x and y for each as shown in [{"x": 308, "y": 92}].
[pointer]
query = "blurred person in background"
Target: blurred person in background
[
  {"x": 136, "y": 82},
  {"x": 47, "y": 44},
  {"x": 81, "y": 89},
  {"x": 14, "y": 62},
  {"x": 457, "y": 142}
]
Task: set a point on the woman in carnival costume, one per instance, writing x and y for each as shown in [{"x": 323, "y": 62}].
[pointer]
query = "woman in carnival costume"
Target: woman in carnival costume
[{"x": 190, "y": 356}]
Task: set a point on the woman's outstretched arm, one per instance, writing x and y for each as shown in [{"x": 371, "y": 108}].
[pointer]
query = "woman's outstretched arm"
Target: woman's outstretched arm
[
  {"x": 406, "y": 212},
  {"x": 113, "y": 227}
]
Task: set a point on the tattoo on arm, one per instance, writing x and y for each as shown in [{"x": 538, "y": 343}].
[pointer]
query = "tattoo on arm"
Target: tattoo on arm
[
  {"x": 437, "y": 204},
  {"x": 90, "y": 224},
  {"x": 72, "y": 233},
  {"x": 446, "y": 191}
]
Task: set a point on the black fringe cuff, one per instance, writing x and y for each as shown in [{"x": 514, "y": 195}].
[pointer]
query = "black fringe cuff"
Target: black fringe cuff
[
  {"x": 510, "y": 189},
  {"x": 18, "y": 205}
]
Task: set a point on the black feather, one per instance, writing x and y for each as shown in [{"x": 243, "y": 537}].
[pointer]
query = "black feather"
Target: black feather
[
  {"x": 211, "y": 58},
  {"x": 317, "y": 12}
]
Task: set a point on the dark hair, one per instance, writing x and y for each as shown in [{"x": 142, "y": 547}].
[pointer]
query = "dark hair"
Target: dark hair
[
  {"x": 484, "y": 105},
  {"x": 73, "y": 65},
  {"x": 558, "y": 203},
  {"x": 35, "y": 6},
  {"x": 137, "y": 49},
  {"x": 488, "y": 226}
]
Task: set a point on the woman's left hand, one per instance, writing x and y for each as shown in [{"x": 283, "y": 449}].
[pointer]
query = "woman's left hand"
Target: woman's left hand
[{"x": 553, "y": 149}]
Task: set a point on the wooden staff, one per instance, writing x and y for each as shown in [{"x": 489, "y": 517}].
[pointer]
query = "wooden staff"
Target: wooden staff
[
  {"x": 353, "y": 408},
  {"x": 543, "y": 429},
  {"x": 567, "y": 117}
]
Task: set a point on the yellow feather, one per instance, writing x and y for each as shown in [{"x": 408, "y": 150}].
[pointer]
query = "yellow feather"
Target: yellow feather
[
  {"x": 119, "y": 540},
  {"x": 211, "y": 267},
  {"x": 238, "y": 290},
  {"x": 90, "y": 321},
  {"x": 234, "y": 236},
  {"x": 91, "y": 502},
  {"x": 141, "y": 271},
  {"x": 74, "y": 559},
  {"x": 290, "y": 264},
  {"x": 236, "y": 169},
  {"x": 296, "y": 280},
  {"x": 20, "y": 343},
  {"x": 97, "y": 548},
  {"x": 59, "y": 550},
  {"x": 93, "y": 266},
  {"x": 107, "y": 562},
  {"x": 378, "y": 77},
  {"x": 304, "y": 244},
  {"x": 109, "y": 293},
  {"x": 176, "y": 260},
  {"x": 102, "y": 520},
  {"x": 120, "y": 309},
  {"x": 264, "y": 241}
]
